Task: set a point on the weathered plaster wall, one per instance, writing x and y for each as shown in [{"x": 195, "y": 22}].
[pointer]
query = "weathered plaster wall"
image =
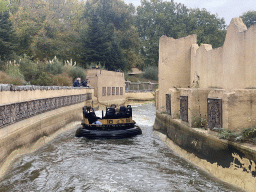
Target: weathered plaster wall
[
  {"x": 230, "y": 66},
  {"x": 238, "y": 106},
  {"x": 140, "y": 96},
  {"x": 99, "y": 78},
  {"x": 174, "y": 64},
  {"x": 228, "y": 72},
  {"x": 197, "y": 104}
]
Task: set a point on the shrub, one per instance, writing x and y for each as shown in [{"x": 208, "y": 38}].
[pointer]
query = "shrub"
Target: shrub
[
  {"x": 2, "y": 65},
  {"x": 199, "y": 122},
  {"x": 14, "y": 71},
  {"x": 28, "y": 67},
  {"x": 7, "y": 79},
  {"x": 44, "y": 79},
  {"x": 74, "y": 72},
  {"x": 62, "y": 80},
  {"x": 151, "y": 72},
  {"x": 249, "y": 133},
  {"x": 54, "y": 66},
  {"x": 229, "y": 135}
]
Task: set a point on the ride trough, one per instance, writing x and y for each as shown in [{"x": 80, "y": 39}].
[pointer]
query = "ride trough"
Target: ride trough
[{"x": 116, "y": 124}]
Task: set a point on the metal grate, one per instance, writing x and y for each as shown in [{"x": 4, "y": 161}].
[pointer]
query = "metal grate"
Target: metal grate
[
  {"x": 184, "y": 108},
  {"x": 214, "y": 113},
  {"x": 168, "y": 104}
]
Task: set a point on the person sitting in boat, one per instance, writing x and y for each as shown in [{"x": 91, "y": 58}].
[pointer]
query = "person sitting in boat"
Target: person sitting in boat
[
  {"x": 90, "y": 115},
  {"x": 110, "y": 113},
  {"x": 121, "y": 113}
]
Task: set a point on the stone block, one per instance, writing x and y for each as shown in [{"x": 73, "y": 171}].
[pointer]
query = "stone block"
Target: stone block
[
  {"x": 197, "y": 104},
  {"x": 239, "y": 108},
  {"x": 175, "y": 103}
]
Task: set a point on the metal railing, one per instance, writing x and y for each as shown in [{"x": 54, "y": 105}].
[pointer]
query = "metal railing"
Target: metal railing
[{"x": 140, "y": 86}]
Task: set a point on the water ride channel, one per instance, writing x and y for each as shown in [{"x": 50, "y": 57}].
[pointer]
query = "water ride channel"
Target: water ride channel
[{"x": 142, "y": 163}]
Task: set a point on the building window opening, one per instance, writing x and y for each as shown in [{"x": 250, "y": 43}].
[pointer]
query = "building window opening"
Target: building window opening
[
  {"x": 104, "y": 91},
  {"x": 109, "y": 91}
]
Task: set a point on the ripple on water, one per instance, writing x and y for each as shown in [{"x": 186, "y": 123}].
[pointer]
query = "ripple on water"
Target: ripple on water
[{"x": 142, "y": 163}]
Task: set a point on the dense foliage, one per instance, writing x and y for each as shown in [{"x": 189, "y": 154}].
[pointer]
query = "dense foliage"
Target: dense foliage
[
  {"x": 40, "y": 35},
  {"x": 156, "y": 18},
  {"x": 7, "y": 35},
  {"x": 111, "y": 38},
  {"x": 249, "y": 18}
]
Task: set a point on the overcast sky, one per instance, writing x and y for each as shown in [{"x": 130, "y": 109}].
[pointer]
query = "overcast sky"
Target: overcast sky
[{"x": 224, "y": 8}]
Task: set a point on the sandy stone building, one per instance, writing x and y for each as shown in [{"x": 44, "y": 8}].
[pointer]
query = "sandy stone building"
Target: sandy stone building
[
  {"x": 216, "y": 84},
  {"x": 109, "y": 86}
]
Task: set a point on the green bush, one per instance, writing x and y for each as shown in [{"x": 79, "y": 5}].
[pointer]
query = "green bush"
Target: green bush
[
  {"x": 63, "y": 80},
  {"x": 249, "y": 133},
  {"x": 199, "y": 122},
  {"x": 54, "y": 66},
  {"x": 229, "y": 135},
  {"x": 14, "y": 71},
  {"x": 7, "y": 79},
  {"x": 2, "y": 65},
  {"x": 151, "y": 72},
  {"x": 74, "y": 72},
  {"x": 28, "y": 68},
  {"x": 44, "y": 79}
]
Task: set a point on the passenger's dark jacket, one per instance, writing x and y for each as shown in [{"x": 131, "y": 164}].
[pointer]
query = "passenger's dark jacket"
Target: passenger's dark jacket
[{"x": 76, "y": 84}]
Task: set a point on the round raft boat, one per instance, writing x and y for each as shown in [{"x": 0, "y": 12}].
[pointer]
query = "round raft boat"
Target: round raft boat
[{"x": 116, "y": 124}]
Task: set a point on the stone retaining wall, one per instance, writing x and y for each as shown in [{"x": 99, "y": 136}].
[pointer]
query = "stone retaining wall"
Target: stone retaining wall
[
  {"x": 206, "y": 145},
  {"x": 139, "y": 96},
  {"x": 25, "y": 133},
  {"x": 28, "y": 113}
]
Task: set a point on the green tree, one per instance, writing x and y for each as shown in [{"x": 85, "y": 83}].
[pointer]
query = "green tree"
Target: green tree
[
  {"x": 7, "y": 35},
  {"x": 115, "y": 58},
  {"x": 96, "y": 43},
  {"x": 249, "y": 18},
  {"x": 28, "y": 68},
  {"x": 121, "y": 36},
  {"x": 49, "y": 28},
  {"x": 209, "y": 28},
  {"x": 3, "y": 5},
  {"x": 156, "y": 18}
]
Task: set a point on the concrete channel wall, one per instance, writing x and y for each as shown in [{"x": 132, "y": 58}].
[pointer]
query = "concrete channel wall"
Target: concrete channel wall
[
  {"x": 221, "y": 155},
  {"x": 29, "y": 113}
]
